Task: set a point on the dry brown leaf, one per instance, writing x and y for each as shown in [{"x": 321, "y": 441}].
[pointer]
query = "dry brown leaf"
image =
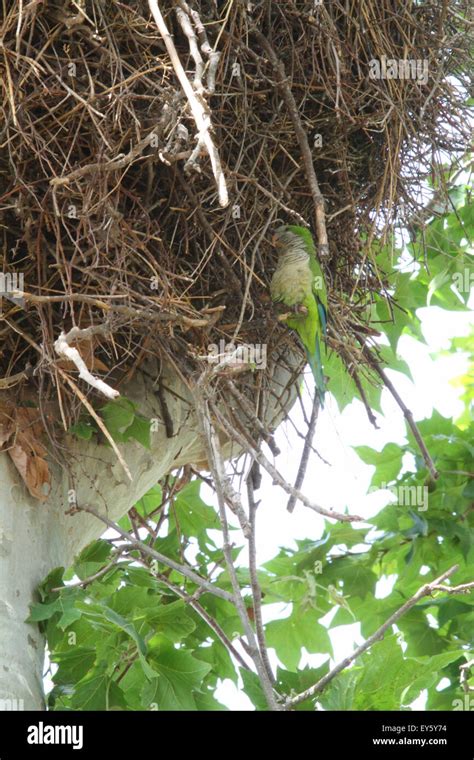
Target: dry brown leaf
[
  {"x": 6, "y": 423},
  {"x": 20, "y": 436},
  {"x": 33, "y": 470}
]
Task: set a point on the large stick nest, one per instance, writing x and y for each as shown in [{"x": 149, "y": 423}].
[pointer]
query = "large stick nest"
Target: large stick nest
[{"x": 112, "y": 219}]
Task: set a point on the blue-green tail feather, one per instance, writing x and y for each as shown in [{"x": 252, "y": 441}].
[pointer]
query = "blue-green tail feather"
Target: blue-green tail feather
[
  {"x": 317, "y": 369},
  {"x": 322, "y": 316}
]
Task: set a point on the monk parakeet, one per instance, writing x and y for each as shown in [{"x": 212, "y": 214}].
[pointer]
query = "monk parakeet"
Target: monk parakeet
[{"x": 299, "y": 281}]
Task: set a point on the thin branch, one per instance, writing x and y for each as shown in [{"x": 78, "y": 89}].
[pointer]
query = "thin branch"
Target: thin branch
[
  {"x": 117, "y": 163},
  {"x": 91, "y": 578},
  {"x": 183, "y": 569},
  {"x": 160, "y": 315},
  {"x": 371, "y": 416},
  {"x": 199, "y": 107},
  {"x": 464, "y": 676},
  {"x": 255, "y": 585},
  {"x": 406, "y": 412},
  {"x": 187, "y": 27},
  {"x": 213, "y": 55},
  {"x": 250, "y": 412},
  {"x": 217, "y": 470},
  {"x": 199, "y": 609},
  {"x": 222, "y": 484},
  {"x": 302, "y": 138},
  {"x": 97, "y": 419},
  {"x": 463, "y": 588},
  {"x": 63, "y": 348},
  {"x": 306, "y": 452},
  {"x": 276, "y": 477},
  {"x": 425, "y": 590}
]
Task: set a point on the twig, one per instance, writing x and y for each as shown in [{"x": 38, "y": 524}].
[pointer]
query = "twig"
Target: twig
[
  {"x": 12, "y": 380},
  {"x": 371, "y": 416},
  {"x": 256, "y": 590},
  {"x": 63, "y": 348},
  {"x": 213, "y": 55},
  {"x": 197, "y": 607},
  {"x": 198, "y": 106},
  {"x": 277, "y": 478},
  {"x": 463, "y": 588},
  {"x": 148, "y": 550},
  {"x": 222, "y": 484},
  {"x": 203, "y": 412},
  {"x": 120, "y": 162},
  {"x": 250, "y": 412},
  {"x": 97, "y": 419},
  {"x": 91, "y": 578},
  {"x": 465, "y": 674},
  {"x": 302, "y": 137},
  {"x": 186, "y": 26},
  {"x": 406, "y": 412},
  {"x": 306, "y": 452},
  {"x": 159, "y": 316},
  {"x": 425, "y": 590}
]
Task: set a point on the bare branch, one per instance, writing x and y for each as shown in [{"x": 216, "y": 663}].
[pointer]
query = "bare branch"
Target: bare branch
[
  {"x": 277, "y": 478},
  {"x": 256, "y": 590},
  {"x": 97, "y": 419},
  {"x": 218, "y": 472},
  {"x": 213, "y": 55},
  {"x": 406, "y": 412},
  {"x": 149, "y": 551},
  {"x": 199, "y": 108},
  {"x": 289, "y": 100},
  {"x": 425, "y": 590},
  {"x": 197, "y": 607},
  {"x": 63, "y": 348},
  {"x": 306, "y": 452}
]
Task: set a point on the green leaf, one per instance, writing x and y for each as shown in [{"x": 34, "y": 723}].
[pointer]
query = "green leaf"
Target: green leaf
[
  {"x": 98, "y": 693},
  {"x": 387, "y": 462},
  {"x": 431, "y": 671},
  {"x": 191, "y": 513},
  {"x": 290, "y": 635},
  {"x": 150, "y": 501},
  {"x": 83, "y": 429},
  {"x": 118, "y": 416},
  {"x": 126, "y": 626},
  {"x": 290, "y": 683},
  {"x": 421, "y": 638},
  {"x": 140, "y": 430},
  {"x": 73, "y": 665},
  {"x": 92, "y": 558},
  {"x": 340, "y": 693},
  {"x": 172, "y": 620},
  {"x": 384, "y": 676},
  {"x": 180, "y": 674},
  {"x": 253, "y": 689}
]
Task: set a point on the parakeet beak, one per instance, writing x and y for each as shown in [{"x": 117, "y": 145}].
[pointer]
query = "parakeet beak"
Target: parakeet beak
[{"x": 276, "y": 238}]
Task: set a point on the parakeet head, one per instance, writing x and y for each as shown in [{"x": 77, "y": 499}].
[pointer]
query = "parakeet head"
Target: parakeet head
[{"x": 294, "y": 238}]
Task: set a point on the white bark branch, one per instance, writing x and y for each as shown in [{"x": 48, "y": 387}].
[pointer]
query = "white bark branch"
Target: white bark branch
[
  {"x": 63, "y": 348},
  {"x": 199, "y": 108}
]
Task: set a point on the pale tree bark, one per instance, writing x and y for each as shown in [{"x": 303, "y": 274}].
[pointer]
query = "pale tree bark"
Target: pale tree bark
[{"x": 38, "y": 537}]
